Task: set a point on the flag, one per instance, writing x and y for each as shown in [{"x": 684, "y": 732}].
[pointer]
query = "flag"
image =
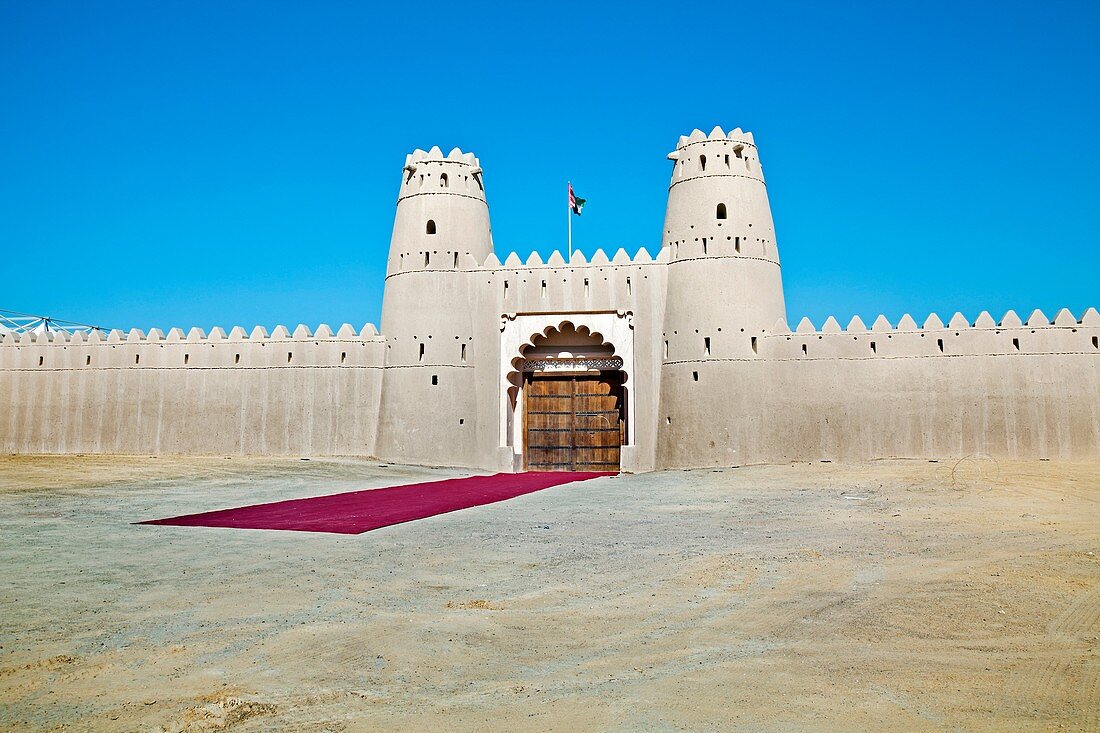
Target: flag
[{"x": 576, "y": 204}]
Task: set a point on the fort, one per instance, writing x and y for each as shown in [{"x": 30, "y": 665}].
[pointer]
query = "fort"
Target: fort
[{"x": 679, "y": 359}]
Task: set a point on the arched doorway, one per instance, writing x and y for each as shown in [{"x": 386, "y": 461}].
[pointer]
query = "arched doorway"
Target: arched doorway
[
  {"x": 534, "y": 348},
  {"x": 573, "y": 401}
]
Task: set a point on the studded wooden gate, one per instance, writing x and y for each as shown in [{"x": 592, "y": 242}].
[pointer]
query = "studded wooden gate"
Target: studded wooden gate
[{"x": 573, "y": 423}]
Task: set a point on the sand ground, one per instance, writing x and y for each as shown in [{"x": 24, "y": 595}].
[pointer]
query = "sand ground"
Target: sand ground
[{"x": 902, "y": 596}]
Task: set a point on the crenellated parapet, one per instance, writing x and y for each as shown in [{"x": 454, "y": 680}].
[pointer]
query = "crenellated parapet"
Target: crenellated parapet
[
  {"x": 196, "y": 349},
  {"x": 984, "y": 336},
  {"x": 731, "y": 154}
]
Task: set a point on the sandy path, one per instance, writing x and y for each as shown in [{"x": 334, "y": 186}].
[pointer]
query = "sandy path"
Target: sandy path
[{"x": 898, "y": 595}]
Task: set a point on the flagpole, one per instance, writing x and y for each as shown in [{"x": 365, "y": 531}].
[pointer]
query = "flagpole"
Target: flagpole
[{"x": 569, "y": 218}]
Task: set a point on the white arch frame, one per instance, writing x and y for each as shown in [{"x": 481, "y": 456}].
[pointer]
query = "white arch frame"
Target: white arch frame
[{"x": 519, "y": 329}]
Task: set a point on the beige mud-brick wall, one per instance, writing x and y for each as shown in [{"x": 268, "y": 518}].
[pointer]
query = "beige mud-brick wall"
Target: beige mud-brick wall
[
  {"x": 277, "y": 394},
  {"x": 1003, "y": 390}
]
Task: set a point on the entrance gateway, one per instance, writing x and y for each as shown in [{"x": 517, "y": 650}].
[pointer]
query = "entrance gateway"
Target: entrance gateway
[{"x": 567, "y": 391}]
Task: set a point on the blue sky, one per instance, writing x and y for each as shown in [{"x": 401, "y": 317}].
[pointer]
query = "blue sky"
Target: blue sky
[{"x": 200, "y": 163}]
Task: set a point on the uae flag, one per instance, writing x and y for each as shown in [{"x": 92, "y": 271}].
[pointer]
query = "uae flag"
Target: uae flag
[{"x": 576, "y": 204}]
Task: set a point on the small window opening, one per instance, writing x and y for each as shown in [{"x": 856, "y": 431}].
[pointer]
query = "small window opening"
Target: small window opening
[
  {"x": 939, "y": 345},
  {"x": 803, "y": 349},
  {"x": 186, "y": 358},
  {"x": 628, "y": 286},
  {"x": 343, "y": 356},
  {"x": 289, "y": 356},
  {"x": 706, "y": 345},
  {"x": 738, "y": 151},
  {"x": 1016, "y": 344},
  {"x": 737, "y": 244},
  {"x": 666, "y": 349},
  {"x": 1095, "y": 342},
  {"x": 477, "y": 180},
  {"x": 668, "y": 421},
  {"x": 874, "y": 348},
  {"x": 443, "y": 183},
  {"x": 137, "y": 358},
  {"x": 41, "y": 360},
  {"x": 727, "y": 161},
  {"x": 463, "y": 352},
  {"x": 702, "y": 162},
  {"x": 704, "y": 245},
  {"x": 435, "y": 380},
  {"x": 544, "y": 288},
  {"x": 455, "y": 265},
  {"x": 431, "y": 226},
  {"x": 88, "y": 359},
  {"x": 461, "y": 421},
  {"x": 421, "y": 356},
  {"x": 427, "y": 258},
  {"x": 721, "y": 214},
  {"x": 695, "y": 376},
  {"x": 236, "y": 358},
  {"x": 586, "y": 287},
  {"x": 753, "y": 341}
]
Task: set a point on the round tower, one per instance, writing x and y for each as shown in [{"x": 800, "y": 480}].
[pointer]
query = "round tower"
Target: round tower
[
  {"x": 441, "y": 233},
  {"x": 724, "y": 286}
]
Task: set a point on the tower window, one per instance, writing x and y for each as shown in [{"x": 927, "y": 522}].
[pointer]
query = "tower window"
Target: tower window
[
  {"x": 435, "y": 379},
  {"x": 88, "y": 359},
  {"x": 721, "y": 214},
  {"x": 939, "y": 345},
  {"x": 706, "y": 345},
  {"x": 695, "y": 376},
  {"x": 666, "y": 348},
  {"x": 431, "y": 226},
  {"x": 186, "y": 358},
  {"x": 289, "y": 356},
  {"x": 737, "y": 244},
  {"x": 421, "y": 357},
  {"x": 628, "y": 286},
  {"x": 702, "y": 162},
  {"x": 727, "y": 161},
  {"x": 738, "y": 151},
  {"x": 874, "y": 348},
  {"x": 753, "y": 344},
  {"x": 443, "y": 180},
  {"x": 137, "y": 358},
  {"x": 803, "y": 349},
  {"x": 463, "y": 353},
  {"x": 586, "y": 287},
  {"x": 343, "y": 356},
  {"x": 1016, "y": 344},
  {"x": 41, "y": 360}
]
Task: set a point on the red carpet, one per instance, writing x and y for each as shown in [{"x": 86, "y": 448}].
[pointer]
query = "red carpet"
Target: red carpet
[{"x": 355, "y": 512}]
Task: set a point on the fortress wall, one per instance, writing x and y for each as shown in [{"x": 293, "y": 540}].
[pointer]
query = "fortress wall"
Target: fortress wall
[
  {"x": 1004, "y": 390},
  {"x": 277, "y": 394}
]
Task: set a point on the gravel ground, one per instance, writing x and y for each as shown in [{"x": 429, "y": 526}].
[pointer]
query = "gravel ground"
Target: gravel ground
[{"x": 896, "y": 595}]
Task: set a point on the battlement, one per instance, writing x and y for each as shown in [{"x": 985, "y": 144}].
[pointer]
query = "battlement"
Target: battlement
[
  {"x": 1065, "y": 334},
  {"x": 431, "y": 172},
  {"x": 735, "y": 135},
  {"x": 718, "y": 154}
]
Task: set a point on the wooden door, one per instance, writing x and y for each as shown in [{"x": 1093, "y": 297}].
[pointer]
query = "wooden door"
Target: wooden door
[{"x": 573, "y": 423}]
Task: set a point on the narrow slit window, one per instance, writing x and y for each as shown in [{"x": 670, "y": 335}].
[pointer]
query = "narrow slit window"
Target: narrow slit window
[
  {"x": 443, "y": 183},
  {"x": 939, "y": 345},
  {"x": 88, "y": 359},
  {"x": 544, "y": 288},
  {"x": 343, "y": 356},
  {"x": 695, "y": 376},
  {"x": 738, "y": 151},
  {"x": 727, "y": 161},
  {"x": 586, "y": 287},
  {"x": 706, "y": 345},
  {"x": 803, "y": 349},
  {"x": 289, "y": 356},
  {"x": 421, "y": 356},
  {"x": 721, "y": 212},
  {"x": 41, "y": 360},
  {"x": 435, "y": 380},
  {"x": 430, "y": 228},
  {"x": 874, "y": 347},
  {"x": 186, "y": 358},
  {"x": 628, "y": 288},
  {"x": 427, "y": 258},
  {"x": 463, "y": 352},
  {"x": 1095, "y": 342},
  {"x": 753, "y": 342},
  {"x": 1016, "y": 344},
  {"x": 704, "y": 245},
  {"x": 505, "y": 288},
  {"x": 737, "y": 244},
  {"x": 456, "y": 261},
  {"x": 137, "y": 358},
  {"x": 702, "y": 162},
  {"x": 666, "y": 348}
]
